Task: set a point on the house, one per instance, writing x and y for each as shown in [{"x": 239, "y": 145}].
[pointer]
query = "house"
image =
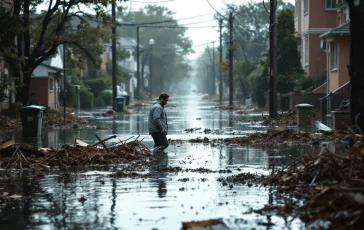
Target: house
[
  {"x": 87, "y": 70},
  {"x": 324, "y": 31},
  {"x": 337, "y": 42},
  {"x": 44, "y": 84},
  {"x": 130, "y": 64},
  {"x": 313, "y": 18}
]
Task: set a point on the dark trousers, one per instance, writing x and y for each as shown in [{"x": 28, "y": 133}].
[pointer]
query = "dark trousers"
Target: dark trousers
[{"x": 160, "y": 140}]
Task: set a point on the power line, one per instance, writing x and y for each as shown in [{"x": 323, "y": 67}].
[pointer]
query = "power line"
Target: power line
[
  {"x": 150, "y": 23},
  {"x": 215, "y": 9},
  {"x": 192, "y": 23},
  {"x": 166, "y": 21},
  {"x": 204, "y": 44},
  {"x": 154, "y": 2},
  {"x": 261, "y": 44}
]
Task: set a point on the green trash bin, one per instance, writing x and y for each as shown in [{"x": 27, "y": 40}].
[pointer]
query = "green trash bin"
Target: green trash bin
[
  {"x": 127, "y": 98},
  {"x": 31, "y": 117},
  {"x": 120, "y": 104}
]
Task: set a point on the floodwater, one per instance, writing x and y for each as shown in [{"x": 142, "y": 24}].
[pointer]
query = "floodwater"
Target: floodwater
[{"x": 163, "y": 201}]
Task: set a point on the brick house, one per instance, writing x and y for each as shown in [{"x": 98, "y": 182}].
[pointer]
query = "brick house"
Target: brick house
[
  {"x": 323, "y": 32},
  {"x": 338, "y": 48},
  {"x": 44, "y": 80},
  {"x": 313, "y": 18}
]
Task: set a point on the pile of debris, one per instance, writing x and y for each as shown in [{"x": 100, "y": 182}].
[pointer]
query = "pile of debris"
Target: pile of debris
[
  {"x": 228, "y": 107},
  {"x": 113, "y": 113},
  {"x": 191, "y": 130},
  {"x": 289, "y": 119},
  {"x": 51, "y": 118},
  {"x": 21, "y": 156},
  {"x": 326, "y": 187},
  {"x": 199, "y": 140},
  {"x": 8, "y": 122},
  {"x": 279, "y": 135},
  {"x": 55, "y": 118}
]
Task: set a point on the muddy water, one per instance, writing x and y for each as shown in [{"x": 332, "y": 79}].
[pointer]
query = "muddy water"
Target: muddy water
[{"x": 163, "y": 201}]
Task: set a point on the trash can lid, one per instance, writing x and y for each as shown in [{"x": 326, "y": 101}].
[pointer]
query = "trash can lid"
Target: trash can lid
[
  {"x": 120, "y": 97},
  {"x": 33, "y": 107},
  {"x": 304, "y": 106}
]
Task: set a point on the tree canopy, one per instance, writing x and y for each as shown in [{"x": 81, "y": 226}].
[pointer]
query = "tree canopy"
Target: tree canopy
[
  {"x": 38, "y": 35},
  {"x": 170, "y": 48}
]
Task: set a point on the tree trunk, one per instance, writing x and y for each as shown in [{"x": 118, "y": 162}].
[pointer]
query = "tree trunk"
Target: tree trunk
[
  {"x": 23, "y": 93},
  {"x": 356, "y": 69}
]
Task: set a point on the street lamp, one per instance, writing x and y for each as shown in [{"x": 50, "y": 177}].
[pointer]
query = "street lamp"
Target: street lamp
[{"x": 151, "y": 43}]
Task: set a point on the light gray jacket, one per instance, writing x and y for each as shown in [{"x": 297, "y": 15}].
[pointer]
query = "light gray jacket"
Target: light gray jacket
[{"x": 157, "y": 118}]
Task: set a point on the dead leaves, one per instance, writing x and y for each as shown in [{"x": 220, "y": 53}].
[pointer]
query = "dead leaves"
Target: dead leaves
[
  {"x": 27, "y": 156},
  {"x": 278, "y": 136}
]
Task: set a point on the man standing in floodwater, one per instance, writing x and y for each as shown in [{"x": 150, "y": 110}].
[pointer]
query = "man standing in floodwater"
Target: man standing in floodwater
[{"x": 158, "y": 122}]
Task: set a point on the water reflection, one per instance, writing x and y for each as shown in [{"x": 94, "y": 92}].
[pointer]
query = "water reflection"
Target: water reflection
[{"x": 159, "y": 180}]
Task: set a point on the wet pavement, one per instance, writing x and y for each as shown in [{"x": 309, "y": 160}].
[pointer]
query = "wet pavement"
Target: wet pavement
[{"x": 163, "y": 201}]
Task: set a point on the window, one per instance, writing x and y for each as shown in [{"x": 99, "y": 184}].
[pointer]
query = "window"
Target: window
[
  {"x": 334, "y": 56},
  {"x": 51, "y": 84},
  {"x": 305, "y": 50},
  {"x": 305, "y": 7},
  {"x": 330, "y": 4}
]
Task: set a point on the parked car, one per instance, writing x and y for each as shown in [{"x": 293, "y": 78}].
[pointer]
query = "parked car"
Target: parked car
[{"x": 120, "y": 91}]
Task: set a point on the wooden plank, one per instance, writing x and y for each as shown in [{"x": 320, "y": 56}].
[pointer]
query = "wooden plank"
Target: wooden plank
[{"x": 7, "y": 144}]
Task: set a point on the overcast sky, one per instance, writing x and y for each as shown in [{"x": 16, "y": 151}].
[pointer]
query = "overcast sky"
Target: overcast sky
[{"x": 191, "y": 8}]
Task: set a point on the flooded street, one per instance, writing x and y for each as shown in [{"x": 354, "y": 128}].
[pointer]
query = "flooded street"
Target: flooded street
[{"x": 163, "y": 201}]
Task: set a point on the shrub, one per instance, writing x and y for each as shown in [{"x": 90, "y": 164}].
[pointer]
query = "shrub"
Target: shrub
[
  {"x": 86, "y": 99},
  {"x": 99, "y": 102},
  {"x": 98, "y": 85},
  {"x": 105, "y": 97}
]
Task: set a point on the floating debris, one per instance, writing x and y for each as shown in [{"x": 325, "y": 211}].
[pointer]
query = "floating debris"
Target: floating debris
[
  {"x": 26, "y": 156},
  {"x": 276, "y": 135},
  {"x": 207, "y": 224},
  {"x": 191, "y": 130},
  {"x": 199, "y": 140},
  {"x": 329, "y": 185}
]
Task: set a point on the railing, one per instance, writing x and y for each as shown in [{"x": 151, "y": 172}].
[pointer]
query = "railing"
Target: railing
[
  {"x": 335, "y": 99},
  {"x": 338, "y": 2}
]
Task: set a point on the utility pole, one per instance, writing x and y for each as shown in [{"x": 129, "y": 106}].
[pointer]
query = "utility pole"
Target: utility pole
[
  {"x": 138, "y": 65},
  {"x": 231, "y": 90},
  {"x": 220, "y": 90},
  {"x": 64, "y": 85},
  {"x": 151, "y": 42},
  {"x": 113, "y": 50},
  {"x": 213, "y": 68},
  {"x": 273, "y": 60}
]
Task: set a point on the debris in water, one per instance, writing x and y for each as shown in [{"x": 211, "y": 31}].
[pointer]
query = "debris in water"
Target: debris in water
[
  {"x": 207, "y": 224},
  {"x": 82, "y": 199},
  {"x": 27, "y": 156}
]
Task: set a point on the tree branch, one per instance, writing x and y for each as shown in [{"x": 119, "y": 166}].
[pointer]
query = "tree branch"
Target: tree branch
[{"x": 45, "y": 24}]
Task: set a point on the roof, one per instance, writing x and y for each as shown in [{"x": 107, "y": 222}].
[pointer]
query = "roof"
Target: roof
[{"x": 343, "y": 29}]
